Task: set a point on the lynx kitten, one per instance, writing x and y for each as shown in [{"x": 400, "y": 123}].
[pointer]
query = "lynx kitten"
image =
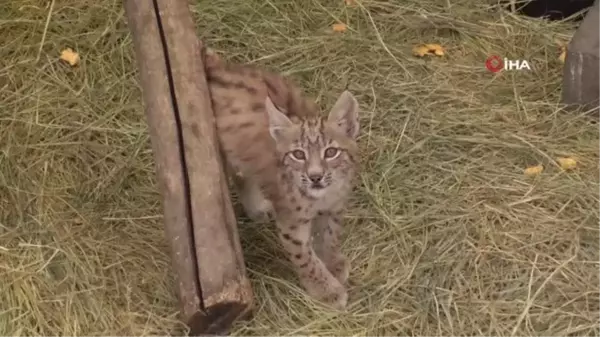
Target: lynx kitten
[{"x": 291, "y": 164}]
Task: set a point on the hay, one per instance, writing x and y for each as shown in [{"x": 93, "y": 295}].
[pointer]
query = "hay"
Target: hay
[{"x": 446, "y": 234}]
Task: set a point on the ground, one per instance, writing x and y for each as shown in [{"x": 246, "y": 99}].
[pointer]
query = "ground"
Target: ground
[{"x": 446, "y": 234}]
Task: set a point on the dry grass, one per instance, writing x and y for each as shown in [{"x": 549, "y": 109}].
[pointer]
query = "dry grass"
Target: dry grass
[{"x": 446, "y": 234}]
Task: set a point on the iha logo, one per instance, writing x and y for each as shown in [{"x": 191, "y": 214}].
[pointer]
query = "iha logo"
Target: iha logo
[{"x": 495, "y": 64}]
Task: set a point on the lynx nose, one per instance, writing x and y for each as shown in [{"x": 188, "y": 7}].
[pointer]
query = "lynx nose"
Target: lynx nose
[{"x": 315, "y": 177}]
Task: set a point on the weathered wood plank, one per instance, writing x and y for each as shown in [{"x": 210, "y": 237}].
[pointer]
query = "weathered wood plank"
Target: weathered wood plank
[{"x": 212, "y": 284}]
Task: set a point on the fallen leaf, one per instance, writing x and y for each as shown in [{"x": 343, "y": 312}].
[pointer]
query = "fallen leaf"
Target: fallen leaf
[
  {"x": 350, "y": 2},
  {"x": 69, "y": 56},
  {"x": 437, "y": 49},
  {"x": 562, "y": 57},
  {"x": 563, "y": 54},
  {"x": 428, "y": 49},
  {"x": 533, "y": 170},
  {"x": 566, "y": 163},
  {"x": 420, "y": 51},
  {"x": 339, "y": 27}
]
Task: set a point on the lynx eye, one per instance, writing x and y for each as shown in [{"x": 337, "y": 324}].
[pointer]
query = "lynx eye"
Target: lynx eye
[
  {"x": 298, "y": 155},
  {"x": 331, "y": 152}
]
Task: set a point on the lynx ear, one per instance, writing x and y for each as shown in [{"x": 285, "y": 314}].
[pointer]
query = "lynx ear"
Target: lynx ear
[
  {"x": 278, "y": 122},
  {"x": 344, "y": 114}
]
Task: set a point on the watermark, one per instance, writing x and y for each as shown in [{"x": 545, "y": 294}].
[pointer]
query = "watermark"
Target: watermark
[{"x": 496, "y": 63}]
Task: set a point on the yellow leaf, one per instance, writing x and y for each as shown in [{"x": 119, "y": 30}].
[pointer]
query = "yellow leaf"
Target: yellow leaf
[
  {"x": 563, "y": 54},
  {"x": 350, "y": 2},
  {"x": 436, "y": 49},
  {"x": 69, "y": 56},
  {"x": 533, "y": 170},
  {"x": 420, "y": 51},
  {"x": 339, "y": 27},
  {"x": 566, "y": 163},
  {"x": 428, "y": 49}
]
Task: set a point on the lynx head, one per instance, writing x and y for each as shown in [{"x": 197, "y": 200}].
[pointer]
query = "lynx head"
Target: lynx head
[{"x": 318, "y": 154}]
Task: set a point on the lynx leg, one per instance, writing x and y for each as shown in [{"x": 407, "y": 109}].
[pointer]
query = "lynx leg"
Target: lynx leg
[
  {"x": 330, "y": 228},
  {"x": 256, "y": 205},
  {"x": 314, "y": 275}
]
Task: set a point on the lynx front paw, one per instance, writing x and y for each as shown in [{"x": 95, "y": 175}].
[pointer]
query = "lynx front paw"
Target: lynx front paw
[
  {"x": 337, "y": 299},
  {"x": 330, "y": 292},
  {"x": 261, "y": 213},
  {"x": 257, "y": 208},
  {"x": 340, "y": 268}
]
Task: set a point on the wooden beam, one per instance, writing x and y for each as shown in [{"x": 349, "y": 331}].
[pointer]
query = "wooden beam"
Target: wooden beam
[
  {"x": 580, "y": 88},
  {"x": 198, "y": 216}
]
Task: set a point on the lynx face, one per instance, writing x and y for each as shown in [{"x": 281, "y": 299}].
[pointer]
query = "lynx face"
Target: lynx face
[{"x": 318, "y": 154}]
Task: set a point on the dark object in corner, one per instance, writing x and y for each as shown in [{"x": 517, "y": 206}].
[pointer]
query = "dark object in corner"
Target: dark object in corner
[
  {"x": 553, "y": 9},
  {"x": 580, "y": 88}
]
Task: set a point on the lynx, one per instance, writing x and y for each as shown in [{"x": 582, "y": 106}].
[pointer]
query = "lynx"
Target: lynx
[{"x": 290, "y": 164}]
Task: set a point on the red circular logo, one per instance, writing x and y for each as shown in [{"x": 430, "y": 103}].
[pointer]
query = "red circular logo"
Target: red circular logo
[{"x": 494, "y": 63}]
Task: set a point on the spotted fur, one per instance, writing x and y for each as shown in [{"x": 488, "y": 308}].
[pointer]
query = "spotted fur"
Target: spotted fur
[{"x": 291, "y": 164}]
